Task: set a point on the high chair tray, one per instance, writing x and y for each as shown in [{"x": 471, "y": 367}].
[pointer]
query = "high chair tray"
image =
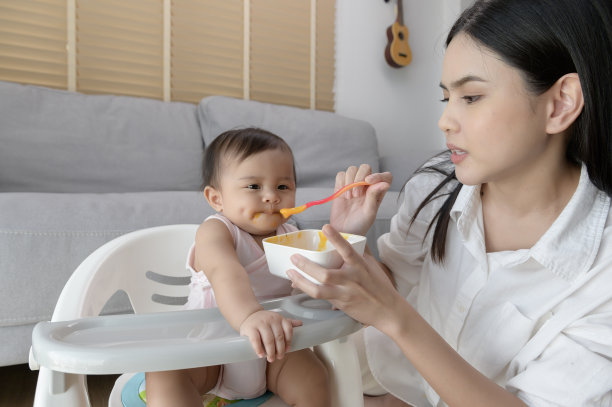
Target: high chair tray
[{"x": 173, "y": 340}]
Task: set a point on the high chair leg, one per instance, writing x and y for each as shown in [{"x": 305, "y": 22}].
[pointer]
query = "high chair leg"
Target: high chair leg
[
  {"x": 57, "y": 389},
  {"x": 340, "y": 358}
]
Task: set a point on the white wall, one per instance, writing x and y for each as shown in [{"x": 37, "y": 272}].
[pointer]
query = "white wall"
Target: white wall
[{"x": 402, "y": 104}]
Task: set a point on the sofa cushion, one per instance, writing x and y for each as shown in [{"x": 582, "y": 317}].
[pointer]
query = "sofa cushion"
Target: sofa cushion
[
  {"x": 45, "y": 236},
  {"x": 60, "y": 141},
  {"x": 323, "y": 143}
]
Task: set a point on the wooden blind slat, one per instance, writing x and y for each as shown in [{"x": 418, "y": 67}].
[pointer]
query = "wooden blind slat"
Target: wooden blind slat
[
  {"x": 325, "y": 51},
  {"x": 119, "y": 48},
  {"x": 207, "y": 49},
  {"x": 33, "y": 42},
  {"x": 280, "y": 39}
]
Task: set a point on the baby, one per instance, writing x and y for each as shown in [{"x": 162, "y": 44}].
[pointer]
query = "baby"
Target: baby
[{"x": 249, "y": 176}]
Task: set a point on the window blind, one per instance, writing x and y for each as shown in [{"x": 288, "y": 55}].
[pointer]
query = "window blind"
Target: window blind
[
  {"x": 33, "y": 42},
  {"x": 280, "y": 51},
  {"x": 206, "y": 49},
  {"x": 119, "y": 47},
  {"x": 325, "y": 55},
  {"x": 275, "y": 51}
]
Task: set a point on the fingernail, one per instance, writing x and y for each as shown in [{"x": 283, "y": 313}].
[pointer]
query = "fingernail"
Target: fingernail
[{"x": 295, "y": 259}]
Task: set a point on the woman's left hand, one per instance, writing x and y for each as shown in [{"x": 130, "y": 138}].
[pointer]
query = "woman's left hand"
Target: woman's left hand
[
  {"x": 360, "y": 287},
  {"x": 355, "y": 210}
]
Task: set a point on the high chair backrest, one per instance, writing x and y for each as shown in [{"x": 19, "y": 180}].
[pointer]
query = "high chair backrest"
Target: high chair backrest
[{"x": 148, "y": 265}]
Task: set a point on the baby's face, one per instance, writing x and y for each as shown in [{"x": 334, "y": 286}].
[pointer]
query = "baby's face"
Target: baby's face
[{"x": 253, "y": 191}]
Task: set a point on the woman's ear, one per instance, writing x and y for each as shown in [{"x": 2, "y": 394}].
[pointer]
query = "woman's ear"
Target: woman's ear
[
  {"x": 567, "y": 103},
  {"x": 214, "y": 198}
]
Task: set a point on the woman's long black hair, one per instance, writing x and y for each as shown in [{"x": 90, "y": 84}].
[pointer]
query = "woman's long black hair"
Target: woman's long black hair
[{"x": 544, "y": 39}]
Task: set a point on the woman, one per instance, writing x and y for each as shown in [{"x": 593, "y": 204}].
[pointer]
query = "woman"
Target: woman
[{"x": 501, "y": 252}]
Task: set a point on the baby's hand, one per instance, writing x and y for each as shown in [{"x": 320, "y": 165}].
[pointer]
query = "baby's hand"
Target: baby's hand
[{"x": 269, "y": 333}]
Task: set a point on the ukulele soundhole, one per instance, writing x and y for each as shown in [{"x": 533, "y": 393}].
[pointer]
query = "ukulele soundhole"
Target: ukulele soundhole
[{"x": 401, "y": 36}]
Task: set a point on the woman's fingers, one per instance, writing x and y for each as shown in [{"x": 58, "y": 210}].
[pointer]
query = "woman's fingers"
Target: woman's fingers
[
  {"x": 344, "y": 248},
  {"x": 340, "y": 177},
  {"x": 349, "y": 177},
  {"x": 375, "y": 194},
  {"x": 363, "y": 171},
  {"x": 321, "y": 274},
  {"x": 301, "y": 282},
  {"x": 379, "y": 177},
  {"x": 325, "y": 276}
]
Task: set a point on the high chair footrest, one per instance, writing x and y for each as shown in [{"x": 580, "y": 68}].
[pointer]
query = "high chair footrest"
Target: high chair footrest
[{"x": 173, "y": 340}]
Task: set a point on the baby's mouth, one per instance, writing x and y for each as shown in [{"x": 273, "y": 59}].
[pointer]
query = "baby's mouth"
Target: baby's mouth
[{"x": 258, "y": 215}]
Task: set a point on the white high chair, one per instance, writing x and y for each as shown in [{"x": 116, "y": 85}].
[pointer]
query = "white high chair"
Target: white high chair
[{"x": 149, "y": 266}]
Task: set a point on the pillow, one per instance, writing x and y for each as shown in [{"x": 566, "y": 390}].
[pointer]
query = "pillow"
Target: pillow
[
  {"x": 60, "y": 141},
  {"x": 323, "y": 143},
  {"x": 45, "y": 236}
]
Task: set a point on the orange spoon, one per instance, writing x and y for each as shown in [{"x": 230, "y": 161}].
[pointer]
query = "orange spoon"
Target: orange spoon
[{"x": 286, "y": 212}]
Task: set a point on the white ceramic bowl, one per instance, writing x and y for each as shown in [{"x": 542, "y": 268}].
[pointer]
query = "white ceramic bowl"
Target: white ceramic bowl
[{"x": 310, "y": 243}]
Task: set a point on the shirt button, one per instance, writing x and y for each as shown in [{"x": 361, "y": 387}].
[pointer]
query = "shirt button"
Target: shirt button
[{"x": 461, "y": 308}]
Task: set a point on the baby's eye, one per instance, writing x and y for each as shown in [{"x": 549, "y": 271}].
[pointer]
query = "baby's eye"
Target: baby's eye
[
  {"x": 252, "y": 186},
  {"x": 283, "y": 187}
]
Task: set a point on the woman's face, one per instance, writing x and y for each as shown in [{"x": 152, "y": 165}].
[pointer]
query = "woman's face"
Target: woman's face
[{"x": 494, "y": 127}]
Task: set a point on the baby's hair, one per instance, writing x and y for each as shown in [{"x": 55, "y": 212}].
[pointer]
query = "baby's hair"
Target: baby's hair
[{"x": 238, "y": 144}]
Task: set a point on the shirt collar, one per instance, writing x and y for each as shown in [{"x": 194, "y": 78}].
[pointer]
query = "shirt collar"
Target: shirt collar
[{"x": 569, "y": 246}]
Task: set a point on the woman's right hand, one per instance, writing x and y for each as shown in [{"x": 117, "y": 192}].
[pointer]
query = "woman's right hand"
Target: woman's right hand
[
  {"x": 355, "y": 210},
  {"x": 360, "y": 287}
]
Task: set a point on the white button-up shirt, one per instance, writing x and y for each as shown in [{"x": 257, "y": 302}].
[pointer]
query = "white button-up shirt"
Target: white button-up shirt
[{"x": 537, "y": 321}]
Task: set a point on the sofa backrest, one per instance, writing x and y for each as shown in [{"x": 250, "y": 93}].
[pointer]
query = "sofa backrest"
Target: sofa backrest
[
  {"x": 60, "y": 141},
  {"x": 323, "y": 143}
]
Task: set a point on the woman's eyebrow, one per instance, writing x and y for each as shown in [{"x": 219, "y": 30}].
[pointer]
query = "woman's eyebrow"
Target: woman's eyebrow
[{"x": 462, "y": 81}]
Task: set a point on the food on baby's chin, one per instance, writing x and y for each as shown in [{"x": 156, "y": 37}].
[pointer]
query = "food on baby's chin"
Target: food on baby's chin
[{"x": 275, "y": 216}]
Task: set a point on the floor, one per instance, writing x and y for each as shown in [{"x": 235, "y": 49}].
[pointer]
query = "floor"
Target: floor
[{"x": 18, "y": 383}]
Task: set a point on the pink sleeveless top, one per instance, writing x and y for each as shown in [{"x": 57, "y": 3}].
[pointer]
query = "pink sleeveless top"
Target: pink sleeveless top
[{"x": 251, "y": 256}]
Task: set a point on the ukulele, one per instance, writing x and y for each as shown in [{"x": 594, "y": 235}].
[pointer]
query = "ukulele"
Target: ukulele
[{"x": 397, "y": 52}]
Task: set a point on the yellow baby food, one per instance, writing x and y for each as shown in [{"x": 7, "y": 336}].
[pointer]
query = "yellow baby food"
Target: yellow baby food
[{"x": 322, "y": 242}]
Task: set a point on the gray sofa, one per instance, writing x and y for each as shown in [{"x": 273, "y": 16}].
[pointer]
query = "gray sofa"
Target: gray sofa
[{"x": 78, "y": 170}]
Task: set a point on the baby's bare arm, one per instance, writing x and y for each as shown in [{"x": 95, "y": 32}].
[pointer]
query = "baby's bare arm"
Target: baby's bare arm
[
  {"x": 216, "y": 256},
  {"x": 269, "y": 332}
]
